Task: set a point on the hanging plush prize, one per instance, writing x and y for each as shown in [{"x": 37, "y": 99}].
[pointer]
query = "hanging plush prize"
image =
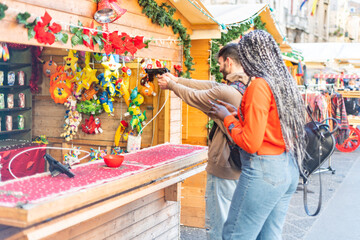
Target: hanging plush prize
[
  {"x": 111, "y": 69},
  {"x": 97, "y": 154},
  {"x": 49, "y": 68},
  {"x": 147, "y": 88},
  {"x": 92, "y": 125},
  {"x": 106, "y": 103},
  {"x": 87, "y": 76},
  {"x": 60, "y": 87},
  {"x": 72, "y": 157},
  {"x": 70, "y": 61},
  {"x": 90, "y": 107},
  {"x": 120, "y": 132},
  {"x": 90, "y": 93}
]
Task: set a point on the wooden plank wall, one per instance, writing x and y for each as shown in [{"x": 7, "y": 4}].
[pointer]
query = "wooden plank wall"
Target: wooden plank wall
[
  {"x": 150, "y": 217},
  {"x": 195, "y": 132},
  {"x": 48, "y": 116}
]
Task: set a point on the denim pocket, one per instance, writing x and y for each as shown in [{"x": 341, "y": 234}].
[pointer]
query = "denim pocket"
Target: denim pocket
[{"x": 274, "y": 168}]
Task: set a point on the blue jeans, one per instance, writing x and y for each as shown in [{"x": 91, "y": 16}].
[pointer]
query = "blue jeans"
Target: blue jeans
[
  {"x": 262, "y": 196},
  {"x": 219, "y": 193}
]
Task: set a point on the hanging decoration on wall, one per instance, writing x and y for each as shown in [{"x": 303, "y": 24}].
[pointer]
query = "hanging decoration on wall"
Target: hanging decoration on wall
[
  {"x": 70, "y": 61},
  {"x": 60, "y": 86},
  {"x": 108, "y": 11},
  {"x": 42, "y": 31},
  {"x": 233, "y": 33},
  {"x": 163, "y": 15},
  {"x": 35, "y": 72},
  {"x": 49, "y": 68}
]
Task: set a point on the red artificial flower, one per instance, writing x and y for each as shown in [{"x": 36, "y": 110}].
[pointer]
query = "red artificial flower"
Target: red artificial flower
[
  {"x": 46, "y": 19},
  {"x": 46, "y": 37},
  {"x": 55, "y": 28},
  {"x": 89, "y": 33},
  {"x": 108, "y": 49},
  {"x": 158, "y": 64},
  {"x": 130, "y": 47},
  {"x": 139, "y": 42}
]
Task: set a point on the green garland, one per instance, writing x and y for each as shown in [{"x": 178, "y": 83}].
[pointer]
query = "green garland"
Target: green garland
[
  {"x": 3, "y": 8},
  {"x": 233, "y": 33},
  {"x": 163, "y": 15}
]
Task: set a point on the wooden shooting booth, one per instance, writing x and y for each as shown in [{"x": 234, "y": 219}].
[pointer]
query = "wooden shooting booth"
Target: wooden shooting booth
[{"x": 146, "y": 203}]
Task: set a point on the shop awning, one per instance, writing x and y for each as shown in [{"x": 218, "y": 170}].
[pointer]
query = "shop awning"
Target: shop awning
[
  {"x": 341, "y": 76},
  {"x": 203, "y": 24},
  {"x": 242, "y": 13},
  {"x": 323, "y": 52}
]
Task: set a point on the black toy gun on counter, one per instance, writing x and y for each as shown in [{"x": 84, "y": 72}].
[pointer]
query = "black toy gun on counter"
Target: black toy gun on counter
[
  {"x": 151, "y": 72},
  {"x": 56, "y": 167}
]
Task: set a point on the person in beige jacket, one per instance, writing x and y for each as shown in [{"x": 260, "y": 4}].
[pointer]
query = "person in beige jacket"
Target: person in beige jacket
[{"x": 222, "y": 175}]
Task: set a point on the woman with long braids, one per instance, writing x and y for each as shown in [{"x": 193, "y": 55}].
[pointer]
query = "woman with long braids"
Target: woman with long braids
[{"x": 270, "y": 133}]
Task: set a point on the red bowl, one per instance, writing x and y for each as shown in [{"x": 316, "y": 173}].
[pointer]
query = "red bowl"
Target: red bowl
[{"x": 113, "y": 161}]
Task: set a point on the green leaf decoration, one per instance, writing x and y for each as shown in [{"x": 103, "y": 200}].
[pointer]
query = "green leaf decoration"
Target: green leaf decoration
[
  {"x": 61, "y": 37},
  {"x": 74, "y": 30},
  {"x": 233, "y": 33},
  {"x": 31, "y": 33},
  {"x": 86, "y": 38},
  {"x": 3, "y": 8},
  {"x": 21, "y": 18},
  {"x": 75, "y": 40},
  {"x": 163, "y": 16}
]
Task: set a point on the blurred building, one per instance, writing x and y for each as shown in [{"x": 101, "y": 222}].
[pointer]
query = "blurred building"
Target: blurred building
[{"x": 314, "y": 21}]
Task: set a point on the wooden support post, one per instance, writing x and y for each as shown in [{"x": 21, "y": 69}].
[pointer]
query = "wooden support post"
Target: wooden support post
[{"x": 173, "y": 192}]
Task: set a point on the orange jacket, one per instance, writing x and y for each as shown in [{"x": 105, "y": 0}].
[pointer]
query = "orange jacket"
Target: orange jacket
[{"x": 260, "y": 131}]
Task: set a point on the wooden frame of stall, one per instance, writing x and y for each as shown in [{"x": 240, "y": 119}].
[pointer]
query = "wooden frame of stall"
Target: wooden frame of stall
[
  {"x": 92, "y": 214},
  {"x": 168, "y": 128}
]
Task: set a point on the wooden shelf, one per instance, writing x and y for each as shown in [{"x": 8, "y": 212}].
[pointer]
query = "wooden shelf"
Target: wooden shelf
[
  {"x": 15, "y": 109},
  {"x": 18, "y": 87},
  {"x": 11, "y": 66},
  {"x": 15, "y": 131},
  {"x": 11, "y": 143}
]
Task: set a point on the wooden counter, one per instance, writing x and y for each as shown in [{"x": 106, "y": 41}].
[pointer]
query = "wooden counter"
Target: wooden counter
[{"x": 144, "y": 205}]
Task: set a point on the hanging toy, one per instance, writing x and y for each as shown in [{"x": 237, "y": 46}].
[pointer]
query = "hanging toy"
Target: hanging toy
[
  {"x": 5, "y": 53},
  {"x": 106, "y": 103},
  {"x": 88, "y": 76},
  {"x": 60, "y": 87},
  {"x": 70, "y": 61},
  {"x": 72, "y": 157},
  {"x": 126, "y": 75},
  {"x": 178, "y": 70},
  {"x": 117, "y": 151},
  {"x": 70, "y": 103},
  {"x": 97, "y": 154},
  {"x": 99, "y": 57},
  {"x": 120, "y": 131},
  {"x": 90, "y": 93},
  {"x": 92, "y": 125},
  {"x": 122, "y": 90},
  {"x": 107, "y": 84},
  {"x": 72, "y": 122},
  {"x": 90, "y": 107},
  {"x": 147, "y": 89},
  {"x": 111, "y": 69},
  {"x": 49, "y": 68}
]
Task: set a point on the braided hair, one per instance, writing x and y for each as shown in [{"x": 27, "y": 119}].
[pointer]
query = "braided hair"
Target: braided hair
[{"x": 260, "y": 57}]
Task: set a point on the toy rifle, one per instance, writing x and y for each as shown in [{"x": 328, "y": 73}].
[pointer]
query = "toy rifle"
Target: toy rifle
[
  {"x": 151, "y": 72},
  {"x": 56, "y": 167}
]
